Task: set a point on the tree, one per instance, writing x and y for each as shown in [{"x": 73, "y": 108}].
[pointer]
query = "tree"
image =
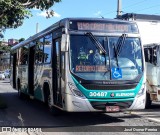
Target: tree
[
  {"x": 21, "y": 39},
  {"x": 4, "y": 48},
  {"x": 13, "y": 12}
]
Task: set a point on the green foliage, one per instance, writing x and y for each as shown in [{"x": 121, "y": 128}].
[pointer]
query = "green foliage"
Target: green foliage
[
  {"x": 21, "y": 39},
  {"x": 4, "y": 48},
  {"x": 13, "y": 12}
]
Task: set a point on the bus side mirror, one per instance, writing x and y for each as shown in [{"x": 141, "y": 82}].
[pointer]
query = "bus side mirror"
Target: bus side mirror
[{"x": 64, "y": 42}]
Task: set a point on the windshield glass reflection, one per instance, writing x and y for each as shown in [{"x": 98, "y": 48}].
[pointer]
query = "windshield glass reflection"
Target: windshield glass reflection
[{"x": 90, "y": 63}]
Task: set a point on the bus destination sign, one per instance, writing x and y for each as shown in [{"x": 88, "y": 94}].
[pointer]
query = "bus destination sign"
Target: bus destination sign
[
  {"x": 104, "y": 26},
  {"x": 91, "y": 68}
]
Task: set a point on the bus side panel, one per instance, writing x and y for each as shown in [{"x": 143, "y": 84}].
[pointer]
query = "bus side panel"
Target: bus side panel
[{"x": 42, "y": 73}]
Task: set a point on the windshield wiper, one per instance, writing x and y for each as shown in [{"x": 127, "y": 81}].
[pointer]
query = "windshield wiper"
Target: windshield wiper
[
  {"x": 115, "y": 52},
  {"x": 96, "y": 42},
  {"x": 98, "y": 45},
  {"x": 120, "y": 43},
  {"x": 118, "y": 47}
]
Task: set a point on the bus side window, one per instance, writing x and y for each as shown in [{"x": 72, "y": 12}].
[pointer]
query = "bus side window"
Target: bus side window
[
  {"x": 47, "y": 48},
  {"x": 158, "y": 55},
  {"x": 155, "y": 55},
  {"x": 39, "y": 51},
  {"x": 146, "y": 54},
  {"x": 149, "y": 55},
  {"x": 23, "y": 55}
]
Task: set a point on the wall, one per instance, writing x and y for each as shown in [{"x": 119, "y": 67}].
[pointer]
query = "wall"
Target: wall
[{"x": 150, "y": 31}]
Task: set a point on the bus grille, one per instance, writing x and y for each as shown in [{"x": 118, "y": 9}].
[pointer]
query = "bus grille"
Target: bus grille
[
  {"x": 102, "y": 105},
  {"x": 108, "y": 87}
]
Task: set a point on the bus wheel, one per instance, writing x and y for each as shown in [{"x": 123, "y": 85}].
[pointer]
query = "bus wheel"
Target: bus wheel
[
  {"x": 54, "y": 111},
  {"x": 148, "y": 101}
]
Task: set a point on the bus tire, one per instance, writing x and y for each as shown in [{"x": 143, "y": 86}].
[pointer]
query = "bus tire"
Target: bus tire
[
  {"x": 53, "y": 110},
  {"x": 148, "y": 101}
]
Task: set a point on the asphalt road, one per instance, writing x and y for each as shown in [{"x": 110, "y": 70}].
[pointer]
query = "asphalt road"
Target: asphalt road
[{"x": 35, "y": 114}]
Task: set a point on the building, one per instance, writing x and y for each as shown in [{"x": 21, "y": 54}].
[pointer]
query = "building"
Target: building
[
  {"x": 12, "y": 42},
  {"x": 4, "y": 43},
  {"x": 138, "y": 17},
  {"x": 5, "y": 55},
  {"x": 148, "y": 25},
  {"x": 4, "y": 61}
]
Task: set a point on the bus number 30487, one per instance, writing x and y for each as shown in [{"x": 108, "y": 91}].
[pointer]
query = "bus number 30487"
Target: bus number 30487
[{"x": 97, "y": 94}]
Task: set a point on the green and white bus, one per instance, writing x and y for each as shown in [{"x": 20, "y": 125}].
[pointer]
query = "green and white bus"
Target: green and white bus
[{"x": 82, "y": 65}]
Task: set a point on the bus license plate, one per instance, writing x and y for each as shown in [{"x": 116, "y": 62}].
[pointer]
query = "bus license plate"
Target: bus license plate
[{"x": 112, "y": 108}]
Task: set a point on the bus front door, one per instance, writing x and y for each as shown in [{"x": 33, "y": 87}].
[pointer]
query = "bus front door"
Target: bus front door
[{"x": 57, "y": 94}]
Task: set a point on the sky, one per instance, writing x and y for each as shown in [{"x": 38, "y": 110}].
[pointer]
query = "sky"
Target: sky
[{"x": 81, "y": 8}]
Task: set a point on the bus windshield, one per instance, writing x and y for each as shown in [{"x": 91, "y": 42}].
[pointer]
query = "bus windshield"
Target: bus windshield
[{"x": 88, "y": 62}]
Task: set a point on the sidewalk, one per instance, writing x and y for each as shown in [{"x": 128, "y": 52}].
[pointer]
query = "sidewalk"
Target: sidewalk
[{"x": 152, "y": 114}]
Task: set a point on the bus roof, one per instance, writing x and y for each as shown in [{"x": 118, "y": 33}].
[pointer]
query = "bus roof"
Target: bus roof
[
  {"x": 152, "y": 45},
  {"x": 64, "y": 23},
  {"x": 142, "y": 17}
]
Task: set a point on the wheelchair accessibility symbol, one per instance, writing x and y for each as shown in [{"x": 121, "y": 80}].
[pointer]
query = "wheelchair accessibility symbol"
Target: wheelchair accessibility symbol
[{"x": 116, "y": 73}]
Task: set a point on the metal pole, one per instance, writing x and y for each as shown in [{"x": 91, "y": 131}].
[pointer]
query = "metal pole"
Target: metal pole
[{"x": 119, "y": 8}]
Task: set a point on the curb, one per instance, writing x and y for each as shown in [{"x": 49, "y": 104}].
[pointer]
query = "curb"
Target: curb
[
  {"x": 150, "y": 117},
  {"x": 154, "y": 119}
]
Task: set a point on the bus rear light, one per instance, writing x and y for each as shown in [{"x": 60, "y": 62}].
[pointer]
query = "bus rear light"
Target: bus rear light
[{"x": 75, "y": 91}]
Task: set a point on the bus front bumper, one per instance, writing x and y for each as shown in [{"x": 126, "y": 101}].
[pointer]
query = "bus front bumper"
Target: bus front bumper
[{"x": 76, "y": 104}]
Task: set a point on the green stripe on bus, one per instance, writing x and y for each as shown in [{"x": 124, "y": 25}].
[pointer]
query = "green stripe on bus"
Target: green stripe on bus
[{"x": 109, "y": 94}]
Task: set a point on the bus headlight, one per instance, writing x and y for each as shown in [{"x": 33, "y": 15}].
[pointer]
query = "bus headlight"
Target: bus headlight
[
  {"x": 75, "y": 91},
  {"x": 141, "y": 91}
]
